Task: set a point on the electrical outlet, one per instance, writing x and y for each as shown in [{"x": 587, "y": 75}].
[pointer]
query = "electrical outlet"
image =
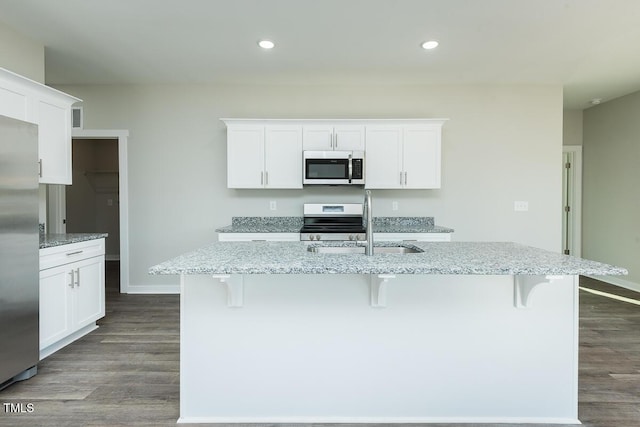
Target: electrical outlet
[
  {"x": 394, "y": 206},
  {"x": 520, "y": 206},
  {"x": 273, "y": 205}
]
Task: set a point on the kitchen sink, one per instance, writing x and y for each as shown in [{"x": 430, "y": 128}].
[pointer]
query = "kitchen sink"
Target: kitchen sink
[{"x": 360, "y": 250}]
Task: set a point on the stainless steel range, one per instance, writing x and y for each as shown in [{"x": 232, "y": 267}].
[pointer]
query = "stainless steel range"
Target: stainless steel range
[{"x": 333, "y": 221}]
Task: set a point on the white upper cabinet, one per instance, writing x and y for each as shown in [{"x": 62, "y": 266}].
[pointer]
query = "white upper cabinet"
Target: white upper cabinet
[
  {"x": 245, "y": 156},
  {"x": 421, "y": 157},
  {"x": 283, "y": 156},
  {"x": 330, "y": 137},
  {"x": 383, "y": 157},
  {"x": 399, "y": 153},
  {"x": 263, "y": 155},
  {"x": 50, "y": 109},
  {"x": 404, "y": 156}
]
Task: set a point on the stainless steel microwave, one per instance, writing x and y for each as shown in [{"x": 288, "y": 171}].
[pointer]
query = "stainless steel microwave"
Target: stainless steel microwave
[{"x": 333, "y": 167}]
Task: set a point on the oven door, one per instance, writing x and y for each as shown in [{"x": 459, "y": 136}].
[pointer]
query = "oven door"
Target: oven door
[{"x": 329, "y": 168}]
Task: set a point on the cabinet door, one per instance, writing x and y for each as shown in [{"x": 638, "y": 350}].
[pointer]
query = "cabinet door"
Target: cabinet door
[
  {"x": 13, "y": 103},
  {"x": 317, "y": 137},
  {"x": 421, "y": 157},
  {"x": 348, "y": 138},
  {"x": 88, "y": 291},
  {"x": 54, "y": 141},
  {"x": 283, "y": 157},
  {"x": 55, "y": 305},
  {"x": 383, "y": 157},
  {"x": 245, "y": 157}
]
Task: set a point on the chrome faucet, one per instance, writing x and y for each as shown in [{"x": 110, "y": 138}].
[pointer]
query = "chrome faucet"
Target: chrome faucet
[{"x": 368, "y": 250}]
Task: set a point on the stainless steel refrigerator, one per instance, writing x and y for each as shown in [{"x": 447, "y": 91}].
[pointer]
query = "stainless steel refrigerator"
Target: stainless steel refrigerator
[{"x": 19, "y": 237}]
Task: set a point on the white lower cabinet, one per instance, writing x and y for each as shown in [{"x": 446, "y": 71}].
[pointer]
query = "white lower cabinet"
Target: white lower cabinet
[
  {"x": 71, "y": 293},
  {"x": 412, "y": 237},
  {"x": 259, "y": 237}
]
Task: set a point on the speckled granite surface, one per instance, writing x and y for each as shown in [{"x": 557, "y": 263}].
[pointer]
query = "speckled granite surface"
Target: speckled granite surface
[
  {"x": 480, "y": 258},
  {"x": 407, "y": 224},
  {"x": 50, "y": 240},
  {"x": 292, "y": 224},
  {"x": 263, "y": 224}
]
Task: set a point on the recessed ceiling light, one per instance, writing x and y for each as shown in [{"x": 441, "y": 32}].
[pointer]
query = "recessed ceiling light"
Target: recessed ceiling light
[
  {"x": 431, "y": 44},
  {"x": 595, "y": 101},
  {"x": 266, "y": 44}
]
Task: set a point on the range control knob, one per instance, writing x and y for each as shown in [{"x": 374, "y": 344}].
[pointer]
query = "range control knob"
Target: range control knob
[
  {"x": 311, "y": 237},
  {"x": 317, "y": 237},
  {"x": 351, "y": 237}
]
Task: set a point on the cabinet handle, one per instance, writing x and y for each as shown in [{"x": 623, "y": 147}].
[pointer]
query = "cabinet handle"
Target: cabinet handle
[
  {"x": 332, "y": 137},
  {"x": 40, "y": 168},
  {"x": 405, "y": 178},
  {"x": 266, "y": 178},
  {"x": 400, "y": 178},
  {"x": 262, "y": 178},
  {"x": 74, "y": 253},
  {"x": 71, "y": 283},
  {"x": 78, "y": 277},
  {"x": 336, "y": 144}
]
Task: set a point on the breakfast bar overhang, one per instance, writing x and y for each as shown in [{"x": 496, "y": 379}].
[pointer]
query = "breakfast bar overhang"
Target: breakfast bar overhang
[{"x": 458, "y": 332}]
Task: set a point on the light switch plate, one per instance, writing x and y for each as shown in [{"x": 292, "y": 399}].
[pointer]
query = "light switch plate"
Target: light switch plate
[
  {"x": 394, "y": 206},
  {"x": 520, "y": 206},
  {"x": 273, "y": 205}
]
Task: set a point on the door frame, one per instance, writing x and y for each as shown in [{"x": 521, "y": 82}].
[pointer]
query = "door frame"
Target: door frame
[
  {"x": 57, "y": 202},
  {"x": 575, "y": 198}
]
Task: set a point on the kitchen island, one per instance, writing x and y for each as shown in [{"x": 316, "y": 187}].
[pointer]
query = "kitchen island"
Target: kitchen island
[{"x": 456, "y": 332}]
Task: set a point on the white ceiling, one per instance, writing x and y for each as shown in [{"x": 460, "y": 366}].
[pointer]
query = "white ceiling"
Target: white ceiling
[{"x": 591, "y": 47}]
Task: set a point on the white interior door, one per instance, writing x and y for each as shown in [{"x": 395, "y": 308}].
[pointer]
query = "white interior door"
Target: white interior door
[{"x": 571, "y": 199}]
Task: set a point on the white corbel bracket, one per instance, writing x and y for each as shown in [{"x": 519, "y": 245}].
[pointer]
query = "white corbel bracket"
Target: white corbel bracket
[
  {"x": 524, "y": 284},
  {"x": 378, "y": 289},
  {"x": 235, "y": 288}
]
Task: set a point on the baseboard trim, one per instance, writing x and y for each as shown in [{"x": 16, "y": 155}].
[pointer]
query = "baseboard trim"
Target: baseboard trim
[
  {"x": 617, "y": 281},
  {"x": 377, "y": 420},
  {"x": 49, "y": 350},
  {"x": 154, "y": 289}
]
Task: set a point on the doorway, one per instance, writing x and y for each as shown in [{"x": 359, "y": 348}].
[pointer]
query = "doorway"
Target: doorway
[
  {"x": 571, "y": 199},
  {"x": 103, "y": 180},
  {"x": 93, "y": 199}
]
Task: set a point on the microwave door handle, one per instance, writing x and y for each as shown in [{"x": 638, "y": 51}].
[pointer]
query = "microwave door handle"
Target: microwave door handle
[{"x": 350, "y": 168}]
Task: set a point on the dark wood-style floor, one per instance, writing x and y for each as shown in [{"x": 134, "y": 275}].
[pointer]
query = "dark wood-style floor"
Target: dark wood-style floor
[{"x": 126, "y": 373}]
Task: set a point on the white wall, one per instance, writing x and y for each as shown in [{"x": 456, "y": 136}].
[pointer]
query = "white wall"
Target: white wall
[
  {"x": 21, "y": 54},
  {"x": 501, "y": 144},
  {"x": 572, "y": 127},
  {"x": 611, "y": 202}
]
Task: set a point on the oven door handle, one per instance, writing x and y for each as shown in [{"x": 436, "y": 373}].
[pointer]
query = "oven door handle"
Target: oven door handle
[{"x": 350, "y": 168}]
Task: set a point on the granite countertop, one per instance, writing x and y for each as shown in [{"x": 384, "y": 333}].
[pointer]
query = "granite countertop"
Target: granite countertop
[
  {"x": 51, "y": 240},
  {"x": 475, "y": 258},
  {"x": 263, "y": 224},
  {"x": 292, "y": 224}
]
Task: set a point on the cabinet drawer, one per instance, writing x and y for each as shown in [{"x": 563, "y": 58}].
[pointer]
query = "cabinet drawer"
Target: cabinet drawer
[{"x": 64, "y": 254}]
